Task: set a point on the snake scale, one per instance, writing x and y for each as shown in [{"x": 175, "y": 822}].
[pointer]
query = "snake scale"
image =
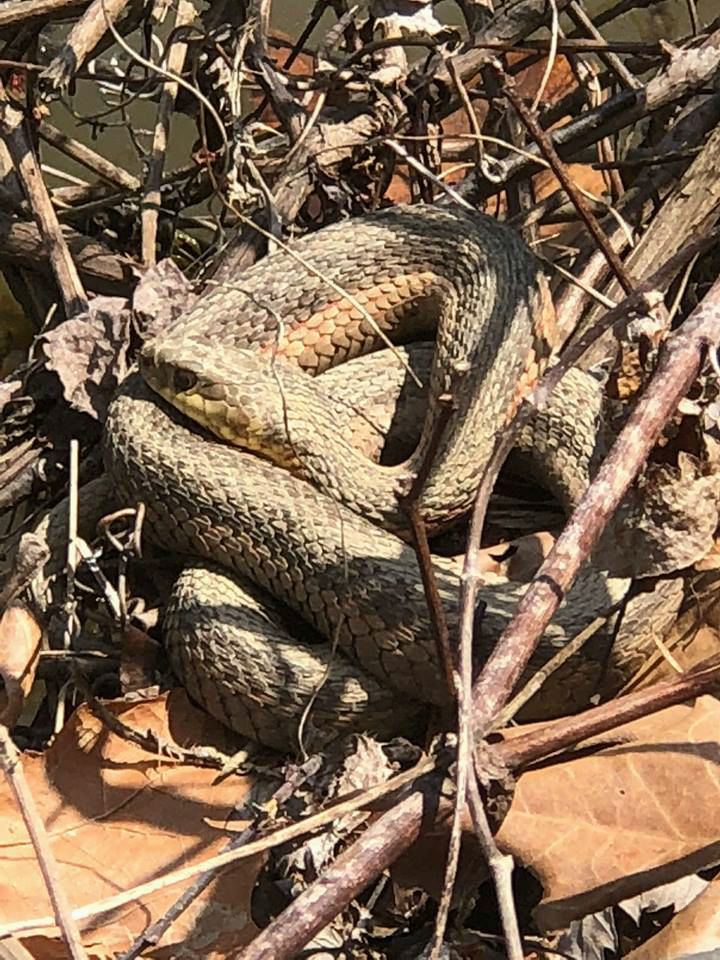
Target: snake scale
[{"x": 298, "y": 537}]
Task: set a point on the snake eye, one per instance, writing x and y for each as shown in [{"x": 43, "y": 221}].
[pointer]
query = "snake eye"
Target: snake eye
[{"x": 184, "y": 381}]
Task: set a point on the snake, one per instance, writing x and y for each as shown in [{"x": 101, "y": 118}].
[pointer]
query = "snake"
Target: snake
[{"x": 251, "y": 434}]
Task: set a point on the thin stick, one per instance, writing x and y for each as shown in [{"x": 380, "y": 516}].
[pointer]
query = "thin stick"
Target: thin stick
[
  {"x": 28, "y": 169},
  {"x": 152, "y": 935},
  {"x": 156, "y": 162},
  {"x": 421, "y": 168},
  {"x": 521, "y": 751},
  {"x": 61, "y": 905},
  {"x": 611, "y": 59},
  {"x": 501, "y": 869},
  {"x": 678, "y": 366},
  {"x": 552, "y": 54},
  {"x": 481, "y": 162},
  {"x": 538, "y": 679},
  {"x": 284, "y": 835},
  {"x": 89, "y": 158},
  {"x": 548, "y": 150},
  {"x": 422, "y": 548}
]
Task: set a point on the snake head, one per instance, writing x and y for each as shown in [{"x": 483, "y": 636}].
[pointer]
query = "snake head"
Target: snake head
[{"x": 233, "y": 393}]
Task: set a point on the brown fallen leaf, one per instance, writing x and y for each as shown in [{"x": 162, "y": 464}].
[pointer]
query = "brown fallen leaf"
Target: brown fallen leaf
[
  {"x": 118, "y": 816},
  {"x": 517, "y": 560},
  {"x": 20, "y": 640},
  {"x": 601, "y": 828},
  {"x": 693, "y": 932}
]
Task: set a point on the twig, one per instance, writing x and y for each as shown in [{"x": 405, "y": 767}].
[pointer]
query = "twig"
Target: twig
[
  {"x": 501, "y": 869},
  {"x": 204, "y": 757},
  {"x": 678, "y": 366},
  {"x": 279, "y": 837},
  {"x": 156, "y": 163},
  {"x": 533, "y": 685},
  {"x": 14, "y": 12},
  {"x": 520, "y": 752},
  {"x": 552, "y": 54},
  {"x": 91, "y": 159},
  {"x": 411, "y": 502},
  {"x": 84, "y": 37},
  {"x": 291, "y": 115},
  {"x": 71, "y": 627},
  {"x": 454, "y": 682},
  {"x": 609, "y": 57},
  {"x": 298, "y": 48},
  {"x": 66, "y": 274},
  {"x": 152, "y": 935},
  {"x": 558, "y": 167},
  {"x": 562, "y": 44},
  {"x": 479, "y": 141},
  {"x": 61, "y": 905},
  {"x": 421, "y": 168}
]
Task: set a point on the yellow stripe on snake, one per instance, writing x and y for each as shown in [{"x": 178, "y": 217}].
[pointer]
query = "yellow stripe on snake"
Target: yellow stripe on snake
[{"x": 299, "y": 536}]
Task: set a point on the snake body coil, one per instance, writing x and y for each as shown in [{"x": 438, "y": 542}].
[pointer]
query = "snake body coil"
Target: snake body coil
[{"x": 229, "y": 363}]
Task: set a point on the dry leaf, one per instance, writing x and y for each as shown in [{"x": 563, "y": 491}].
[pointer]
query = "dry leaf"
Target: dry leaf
[
  {"x": 693, "y": 932},
  {"x": 88, "y": 353},
  {"x": 20, "y": 640},
  {"x": 162, "y": 295},
  {"x": 118, "y": 816},
  {"x": 589, "y": 938},
  {"x": 668, "y": 519},
  {"x": 518, "y": 560},
  {"x": 601, "y": 828}
]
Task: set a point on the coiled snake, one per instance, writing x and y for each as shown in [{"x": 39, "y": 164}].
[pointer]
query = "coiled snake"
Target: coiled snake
[{"x": 288, "y": 531}]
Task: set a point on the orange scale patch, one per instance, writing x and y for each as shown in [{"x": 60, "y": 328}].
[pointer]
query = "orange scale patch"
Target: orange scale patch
[
  {"x": 418, "y": 281},
  {"x": 545, "y": 326},
  {"x": 526, "y": 382},
  {"x": 340, "y": 337},
  {"x": 352, "y": 330},
  {"x": 382, "y": 304},
  {"x": 293, "y": 348},
  {"x": 308, "y": 359},
  {"x": 328, "y": 326}
]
